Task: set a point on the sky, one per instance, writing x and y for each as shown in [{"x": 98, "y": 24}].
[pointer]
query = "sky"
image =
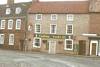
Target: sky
[{"x": 5, "y": 1}]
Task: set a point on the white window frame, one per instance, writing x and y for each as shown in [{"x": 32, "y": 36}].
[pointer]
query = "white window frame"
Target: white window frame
[
  {"x": 35, "y": 42},
  {"x": 37, "y": 17},
  {"x": 8, "y": 11},
  {"x": 66, "y": 44},
  {"x": 18, "y": 21},
  {"x": 55, "y": 29},
  {"x": 2, "y": 42},
  {"x": 3, "y": 23},
  {"x": 67, "y": 29},
  {"x": 11, "y": 43},
  {"x": 70, "y": 17},
  {"x": 18, "y": 10},
  {"x": 36, "y": 28},
  {"x": 53, "y": 15},
  {"x": 10, "y": 21}
]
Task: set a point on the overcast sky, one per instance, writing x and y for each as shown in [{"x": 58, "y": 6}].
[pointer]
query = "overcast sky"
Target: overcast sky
[{"x": 4, "y": 1}]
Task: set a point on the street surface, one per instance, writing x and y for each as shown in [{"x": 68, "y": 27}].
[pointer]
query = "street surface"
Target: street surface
[{"x": 32, "y": 59}]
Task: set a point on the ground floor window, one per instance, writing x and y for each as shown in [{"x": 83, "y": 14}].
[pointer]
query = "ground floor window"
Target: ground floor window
[
  {"x": 68, "y": 44},
  {"x": 11, "y": 39},
  {"x": 37, "y": 42},
  {"x": 1, "y": 38}
]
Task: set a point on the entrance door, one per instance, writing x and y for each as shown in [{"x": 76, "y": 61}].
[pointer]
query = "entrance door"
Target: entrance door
[
  {"x": 52, "y": 47},
  {"x": 93, "y": 47},
  {"x": 22, "y": 45},
  {"x": 82, "y": 47}
]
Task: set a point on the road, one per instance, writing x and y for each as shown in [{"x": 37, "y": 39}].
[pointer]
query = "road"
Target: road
[{"x": 30, "y": 59}]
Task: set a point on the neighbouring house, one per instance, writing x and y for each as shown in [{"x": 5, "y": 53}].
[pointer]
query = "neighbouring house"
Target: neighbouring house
[
  {"x": 57, "y": 27},
  {"x": 13, "y": 21}
]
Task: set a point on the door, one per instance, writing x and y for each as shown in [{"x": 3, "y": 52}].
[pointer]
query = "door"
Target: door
[
  {"x": 52, "y": 47},
  {"x": 93, "y": 47},
  {"x": 82, "y": 47},
  {"x": 22, "y": 45}
]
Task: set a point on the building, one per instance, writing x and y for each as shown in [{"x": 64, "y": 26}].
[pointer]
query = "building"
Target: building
[
  {"x": 13, "y": 21},
  {"x": 57, "y": 27},
  {"x": 94, "y": 27}
]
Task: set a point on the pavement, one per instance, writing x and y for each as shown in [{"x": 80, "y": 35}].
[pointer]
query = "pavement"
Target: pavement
[{"x": 10, "y": 58}]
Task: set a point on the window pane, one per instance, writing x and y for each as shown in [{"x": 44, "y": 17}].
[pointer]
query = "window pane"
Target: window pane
[
  {"x": 10, "y": 24},
  {"x": 18, "y": 24},
  {"x": 37, "y": 43},
  {"x": 8, "y": 11},
  {"x": 38, "y": 16},
  {"x": 37, "y": 28},
  {"x": 1, "y": 38},
  {"x": 53, "y": 17},
  {"x": 70, "y": 17},
  {"x": 11, "y": 39},
  {"x": 18, "y": 10},
  {"x": 2, "y": 24},
  {"x": 53, "y": 29},
  {"x": 69, "y": 29},
  {"x": 69, "y": 44}
]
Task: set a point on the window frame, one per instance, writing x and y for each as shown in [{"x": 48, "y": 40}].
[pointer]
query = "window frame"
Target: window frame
[
  {"x": 3, "y": 21},
  {"x": 10, "y": 40},
  {"x": 67, "y": 29},
  {"x": 17, "y": 10},
  {"x": 8, "y": 11},
  {"x": 65, "y": 48},
  {"x": 3, "y": 38},
  {"x": 36, "y": 17},
  {"x": 70, "y": 17},
  {"x": 53, "y": 18},
  {"x": 34, "y": 46},
  {"x": 17, "y": 21},
  {"x": 55, "y": 28},
  {"x": 9, "y": 21},
  {"x": 36, "y": 28}
]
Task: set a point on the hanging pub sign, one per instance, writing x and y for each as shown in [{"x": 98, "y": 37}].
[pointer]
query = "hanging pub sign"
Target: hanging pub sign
[{"x": 54, "y": 36}]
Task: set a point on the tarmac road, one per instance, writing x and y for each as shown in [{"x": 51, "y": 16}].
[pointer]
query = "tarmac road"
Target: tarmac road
[{"x": 23, "y": 59}]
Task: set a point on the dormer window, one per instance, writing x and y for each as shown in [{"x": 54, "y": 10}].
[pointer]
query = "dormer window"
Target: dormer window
[
  {"x": 18, "y": 10},
  {"x": 8, "y": 11}
]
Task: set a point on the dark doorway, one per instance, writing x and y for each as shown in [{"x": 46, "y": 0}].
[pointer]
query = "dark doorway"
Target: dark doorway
[
  {"x": 82, "y": 47},
  {"x": 21, "y": 45}
]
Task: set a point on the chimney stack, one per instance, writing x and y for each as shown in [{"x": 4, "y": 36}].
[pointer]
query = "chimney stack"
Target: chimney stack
[{"x": 9, "y": 2}]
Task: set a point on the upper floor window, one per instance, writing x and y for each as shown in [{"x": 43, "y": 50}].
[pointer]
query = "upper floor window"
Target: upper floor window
[
  {"x": 37, "y": 28},
  {"x": 38, "y": 16},
  {"x": 1, "y": 38},
  {"x": 2, "y": 24},
  {"x": 18, "y": 10},
  {"x": 18, "y": 24},
  {"x": 70, "y": 17},
  {"x": 8, "y": 10},
  {"x": 53, "y": 29},
  {"x": 10, "y": 24},
  {"x": 69, "y": 29},
  {"x": 53, "y": 16}
]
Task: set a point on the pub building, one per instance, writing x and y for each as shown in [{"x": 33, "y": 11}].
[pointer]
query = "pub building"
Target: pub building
[{"x": 66, "y": 27}]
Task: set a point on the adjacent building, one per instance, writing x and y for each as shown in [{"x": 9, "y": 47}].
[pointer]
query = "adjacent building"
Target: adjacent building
[{"x": 13, "y": 21}]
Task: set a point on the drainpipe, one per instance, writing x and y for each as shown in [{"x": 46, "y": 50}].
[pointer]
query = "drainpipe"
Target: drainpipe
[{"x": 98, "y": 48}]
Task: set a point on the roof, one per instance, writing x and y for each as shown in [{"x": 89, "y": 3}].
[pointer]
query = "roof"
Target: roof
[
  {"x": 60, "y": 7},
  {"x": 24, "y": 6}
]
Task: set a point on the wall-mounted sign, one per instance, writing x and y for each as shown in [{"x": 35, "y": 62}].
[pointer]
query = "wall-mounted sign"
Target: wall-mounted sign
[{"x": 54, "y": 36}]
